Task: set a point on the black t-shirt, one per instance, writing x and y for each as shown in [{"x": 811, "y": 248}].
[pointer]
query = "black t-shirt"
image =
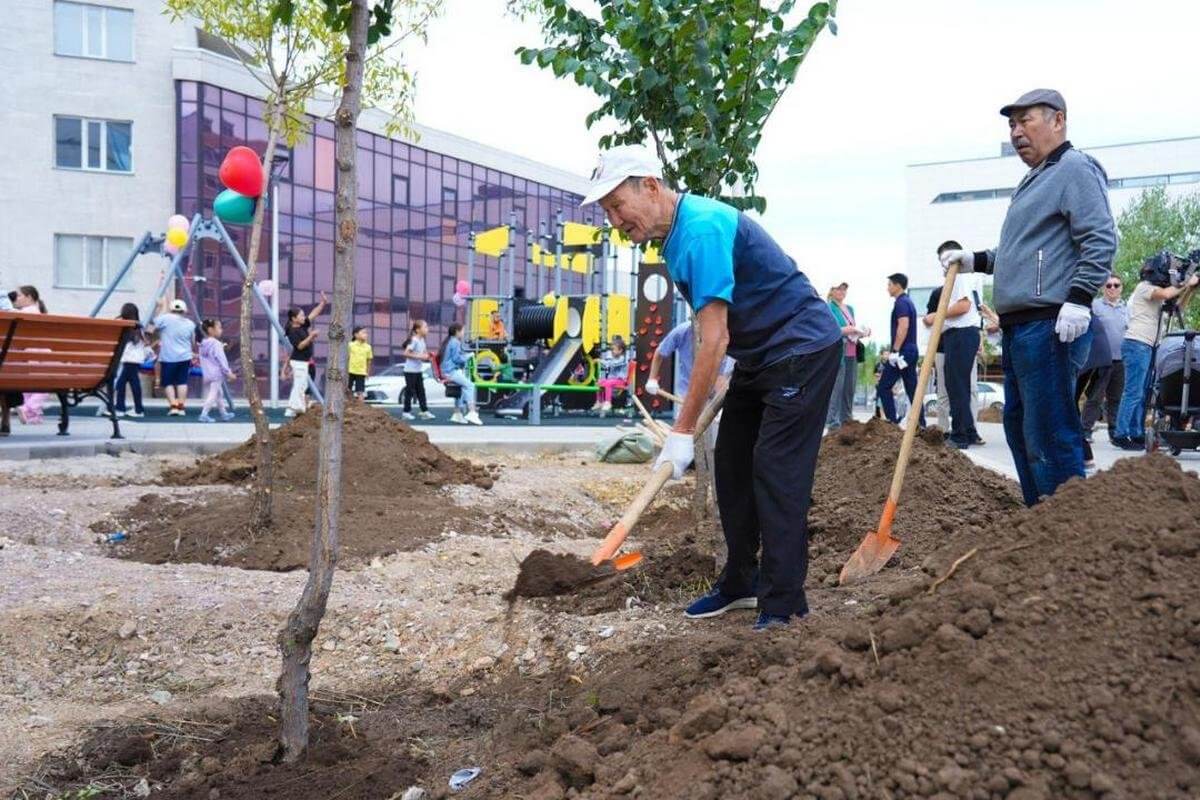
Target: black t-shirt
[
  {"x": 931, "y": 308},
  {"x": 297, "y": 334}
]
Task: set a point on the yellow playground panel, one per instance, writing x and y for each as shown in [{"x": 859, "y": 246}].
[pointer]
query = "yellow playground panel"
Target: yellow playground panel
[{"x": 481, "y": 316}]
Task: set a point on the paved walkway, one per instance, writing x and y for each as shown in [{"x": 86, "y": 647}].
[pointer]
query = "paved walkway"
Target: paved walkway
[{"x": 159, "y": 434}]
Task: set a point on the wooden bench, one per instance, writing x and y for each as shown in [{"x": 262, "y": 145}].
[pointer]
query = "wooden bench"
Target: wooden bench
[{"x": 71, "y": 357}]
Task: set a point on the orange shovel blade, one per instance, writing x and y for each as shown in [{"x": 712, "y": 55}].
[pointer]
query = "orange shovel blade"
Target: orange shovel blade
[
  {"x": 876, "y": 549},
  {"x": 626, "y": 561}
]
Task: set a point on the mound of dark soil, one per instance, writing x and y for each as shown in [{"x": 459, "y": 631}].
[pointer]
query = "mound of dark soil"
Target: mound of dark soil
[
  {"x": 393, "y": 499},
  {"x": 1050, "y": 654},
  {"x": 382, "y": 455},
  {"x": 944, "y": 493}
]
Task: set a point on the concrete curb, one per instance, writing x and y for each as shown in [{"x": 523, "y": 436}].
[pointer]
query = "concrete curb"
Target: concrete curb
[{"x": 112, "y": 447}]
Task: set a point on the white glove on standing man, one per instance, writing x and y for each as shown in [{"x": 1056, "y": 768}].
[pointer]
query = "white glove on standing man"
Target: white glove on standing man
[
  {"x": 897, "y": 360},
  {"x": 965, "y": 259},
  {"x": 1072, "y": 322},
  {"x": 679, "y": 451},
  {"x": 651, "y": 387}
]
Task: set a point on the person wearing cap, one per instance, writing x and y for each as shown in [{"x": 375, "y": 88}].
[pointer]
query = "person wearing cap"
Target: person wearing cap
[
  {"x": 1056, "y": 248},
  {"x": 176, "y": 337},
  {"x": 902, "y": 357},
  {"x": 752, "y": 302},
  {"x": 841, "y": 404}
]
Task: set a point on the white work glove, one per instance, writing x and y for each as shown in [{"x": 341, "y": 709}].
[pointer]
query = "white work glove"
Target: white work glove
[
  {"x": 1072, "y": 322},
  {"x": 864, "y": 332},
  {"x": 679, "y": 451},
  {"x": 965, "y": 259},
  {"x": 651, "y": 386},
  {"x": 897, "y": 361}
]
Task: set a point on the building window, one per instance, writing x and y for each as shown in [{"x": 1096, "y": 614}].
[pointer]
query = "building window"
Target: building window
[
  {"x": 90, "y": 31},
  {"x": 399, "y": 190},
  {"x": 89, "y": 262},
  {"x": 97, "y": 144}
]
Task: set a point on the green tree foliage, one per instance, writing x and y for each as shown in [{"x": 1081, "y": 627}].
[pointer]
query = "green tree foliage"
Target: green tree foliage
[
  {"x": 1152, "y": 223},
  {"x": 698, "y": 78}
]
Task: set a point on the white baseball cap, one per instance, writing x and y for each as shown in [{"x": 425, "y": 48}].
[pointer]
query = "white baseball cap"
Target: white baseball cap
[
  {"x": 619, "y": 163},
  {"x": 178, "y": 305}
]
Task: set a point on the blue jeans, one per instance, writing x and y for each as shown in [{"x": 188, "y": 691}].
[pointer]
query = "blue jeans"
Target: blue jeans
[
  {"x": 466, "y": 401},
  {"x": 1131, "y": 416},
  {"x": 888, "y": 378},
  {"x": 1039, "y": 376}
]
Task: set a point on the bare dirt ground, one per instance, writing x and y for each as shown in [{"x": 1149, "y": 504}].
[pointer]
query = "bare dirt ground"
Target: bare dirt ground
[
  {"x": 1007, "y": 653},
  {"x": 86, "y": 638}
]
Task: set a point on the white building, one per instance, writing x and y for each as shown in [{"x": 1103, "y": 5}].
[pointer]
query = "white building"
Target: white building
[
  {"x": 966, "y": 200},
  {"x": 90, "y": 148}
]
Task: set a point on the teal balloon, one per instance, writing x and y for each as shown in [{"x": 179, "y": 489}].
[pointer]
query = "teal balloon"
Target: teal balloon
[{"x": 234, "y": 208}]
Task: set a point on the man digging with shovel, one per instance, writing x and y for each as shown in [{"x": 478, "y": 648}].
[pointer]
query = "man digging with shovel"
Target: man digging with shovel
[{"x": 751, "y": 301}]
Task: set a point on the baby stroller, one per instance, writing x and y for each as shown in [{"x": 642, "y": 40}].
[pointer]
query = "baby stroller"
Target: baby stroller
[{"x": 1175, "y": 408}]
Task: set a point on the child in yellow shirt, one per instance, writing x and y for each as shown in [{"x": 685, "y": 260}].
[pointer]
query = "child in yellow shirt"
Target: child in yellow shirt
[{"x": 360, "y": 362}]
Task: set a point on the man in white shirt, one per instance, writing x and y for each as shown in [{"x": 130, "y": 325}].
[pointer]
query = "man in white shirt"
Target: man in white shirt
[{"x": 960, "y": 334}]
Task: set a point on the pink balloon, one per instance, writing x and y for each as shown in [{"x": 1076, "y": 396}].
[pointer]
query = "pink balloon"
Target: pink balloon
[
  {"x": 267, "y": 287},
  {"x": 459, "y": 300},
  {"x": 170, "y": 249},
  {"x": 463, "y": 288},
  {"x": 178, "y": 221}
]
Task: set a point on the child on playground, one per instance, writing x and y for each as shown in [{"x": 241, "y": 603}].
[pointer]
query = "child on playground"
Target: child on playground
[
  {"x": 215, "y": 369},
  {"x": 359, "y": 365},
  {"x": 614, "y": 374},
  {"x": 453, "y": 361},
  {"x": 134, "y": 353},
  {"x": 416, "y": 354}
]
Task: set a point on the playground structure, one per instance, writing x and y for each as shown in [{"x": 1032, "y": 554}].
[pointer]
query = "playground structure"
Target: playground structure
[
  {"x": 548, "y": 353},
  {"x": 199, "y": 228}
]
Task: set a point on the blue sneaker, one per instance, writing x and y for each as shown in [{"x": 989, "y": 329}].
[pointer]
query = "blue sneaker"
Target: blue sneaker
[
  {"x": 228, "y": 415},
  {"x": 205, "y": 418},
  {"x": 715, "y": 604},
  {"x": 768, "y": 622}
]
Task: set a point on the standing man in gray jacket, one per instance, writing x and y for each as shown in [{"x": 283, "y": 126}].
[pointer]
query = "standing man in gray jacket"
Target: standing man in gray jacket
[{"x": 1056, "y": 248}]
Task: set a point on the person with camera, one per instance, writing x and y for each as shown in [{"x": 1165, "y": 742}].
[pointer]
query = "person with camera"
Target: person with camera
[
  {"x": 1145, "y": 317},
  {"x": 1056, "y": 248}
]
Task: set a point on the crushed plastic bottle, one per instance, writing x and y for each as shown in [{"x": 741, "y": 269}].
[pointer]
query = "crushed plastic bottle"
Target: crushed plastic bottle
[{"x": 460, "y": 779}]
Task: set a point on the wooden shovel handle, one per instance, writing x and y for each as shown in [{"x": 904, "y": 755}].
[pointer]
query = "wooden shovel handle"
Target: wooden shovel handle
[
  {"x": 658, "y": 478},
  {"x": 918, "y": 403},
  {"x": 651, "y": 422}
]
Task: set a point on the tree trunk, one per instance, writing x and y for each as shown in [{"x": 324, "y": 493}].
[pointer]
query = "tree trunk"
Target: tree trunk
[
  {"x": 295, "y": 640},
  {"x": 261, "y": 493}
]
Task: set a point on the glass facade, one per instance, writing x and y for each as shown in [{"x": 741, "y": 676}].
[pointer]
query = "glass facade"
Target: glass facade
[{"x": 416, "y": 208}]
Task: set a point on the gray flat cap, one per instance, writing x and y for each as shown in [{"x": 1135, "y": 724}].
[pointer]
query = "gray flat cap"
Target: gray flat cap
[{"x": 1038, "y": 97}]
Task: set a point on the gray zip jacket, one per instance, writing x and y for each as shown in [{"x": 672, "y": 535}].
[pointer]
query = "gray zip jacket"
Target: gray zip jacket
[{"x": 1058, "y": 239}]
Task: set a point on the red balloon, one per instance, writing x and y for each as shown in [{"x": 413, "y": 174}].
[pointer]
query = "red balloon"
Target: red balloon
[{"x": 242, "y": 171}]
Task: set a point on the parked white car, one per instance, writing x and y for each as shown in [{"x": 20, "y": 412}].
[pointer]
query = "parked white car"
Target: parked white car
[
  {"x": 385, "y": 387},
  {"x": 991, "y": 395}
]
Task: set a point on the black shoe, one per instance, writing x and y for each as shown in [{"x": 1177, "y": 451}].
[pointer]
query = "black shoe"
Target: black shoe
[
  {"x": 977, "y": 440},
  {"x": 957, "y": 445}
]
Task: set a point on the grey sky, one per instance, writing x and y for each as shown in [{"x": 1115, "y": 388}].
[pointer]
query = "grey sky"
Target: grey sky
[{"x": 903, "y": 82}]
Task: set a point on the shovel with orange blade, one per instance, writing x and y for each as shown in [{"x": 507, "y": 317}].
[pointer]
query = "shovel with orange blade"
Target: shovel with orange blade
[
  {"x": 880, "y": 545},
  {"x": 616, "y": 536}
]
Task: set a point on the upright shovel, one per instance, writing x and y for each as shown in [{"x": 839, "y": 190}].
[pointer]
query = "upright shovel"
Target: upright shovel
[{"x": 879, "y": 546}]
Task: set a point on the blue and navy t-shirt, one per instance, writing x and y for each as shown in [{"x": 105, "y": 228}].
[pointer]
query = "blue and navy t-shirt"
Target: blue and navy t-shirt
[
  {"x": 714, "y": 252},
  {"x": 904, "y": 308}
]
